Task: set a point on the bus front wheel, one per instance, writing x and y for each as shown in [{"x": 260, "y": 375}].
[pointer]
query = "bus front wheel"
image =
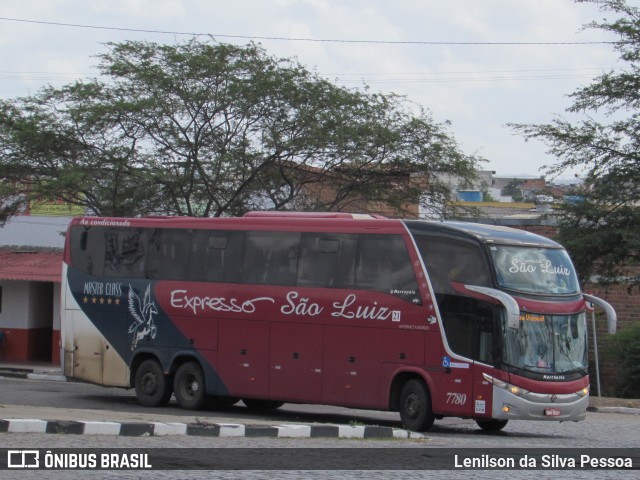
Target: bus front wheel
[
  {"x": 492, "y": 425},
  {"x": 415, "y": 406},
  {"x": 153, "y": 388},
  {"x": 188, "y": 386}
]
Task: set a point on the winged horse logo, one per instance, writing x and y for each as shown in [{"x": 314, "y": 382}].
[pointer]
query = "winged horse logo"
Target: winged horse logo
[{"x": 142, "y": 312}]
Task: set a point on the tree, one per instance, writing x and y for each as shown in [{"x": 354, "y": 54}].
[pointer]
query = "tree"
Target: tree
[
  {"x": 601, "y": 225},
  {"x": 514, "y": 189},
  {"x": 208, "y": 129}
]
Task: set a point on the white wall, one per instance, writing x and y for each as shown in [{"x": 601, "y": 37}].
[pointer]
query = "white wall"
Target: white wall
[
  {"x": 15, "y": 305},
  {"x": 29, "y": 305}
]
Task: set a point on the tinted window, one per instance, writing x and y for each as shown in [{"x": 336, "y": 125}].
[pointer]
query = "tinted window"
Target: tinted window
[
  {"x": 168, "y": 254},
  {"x": 368, "y": 262},
  {"x": 87, "y": 249},
  {"x": 271, "y": 258},
  {"x": 451, "y": 260},
  {"x": 124, "y": 252},
  {"x": 534, "y": 270},
  {"x": 217, "y": 256},
  {"x": 472, "y": 334},
  {"x": 383, "y": 264},
  {"x": 327, "y": 260},
  {"x": 469, "y": 324}
]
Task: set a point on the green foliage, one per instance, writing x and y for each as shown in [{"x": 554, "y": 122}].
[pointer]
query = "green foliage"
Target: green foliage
[
  {"x": 601, "y": 230},
  {"x": 514, "y": 189},
  {"x": 625, "y": 347},
  {"x": 208, "y": 129}
]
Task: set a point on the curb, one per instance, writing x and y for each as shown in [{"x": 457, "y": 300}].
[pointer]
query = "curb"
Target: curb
[
  {"x": 46, "y": 376},
  {"x": 140, "y": 429},
  {"x": 50, "y": 375},
  {"x": 624, "y": 410}
]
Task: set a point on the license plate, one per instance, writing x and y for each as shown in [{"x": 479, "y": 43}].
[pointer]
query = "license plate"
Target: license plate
[{"x": 552, "y": 412}]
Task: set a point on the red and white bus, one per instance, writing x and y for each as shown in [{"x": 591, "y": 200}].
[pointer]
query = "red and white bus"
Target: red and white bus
[{"x": 430, "y": 319}]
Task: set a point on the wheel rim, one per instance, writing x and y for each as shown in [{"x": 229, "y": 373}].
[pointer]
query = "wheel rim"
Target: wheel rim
[
  {"x": 191, "y": 386},
  {"x": 149, "y": 383},
  {"x": 412, "y": 405}
]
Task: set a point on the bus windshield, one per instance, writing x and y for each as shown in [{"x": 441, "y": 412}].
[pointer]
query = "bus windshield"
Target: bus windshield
[
  {"x": 534, "y": 270},
  {"x": 547, "y": 343}
]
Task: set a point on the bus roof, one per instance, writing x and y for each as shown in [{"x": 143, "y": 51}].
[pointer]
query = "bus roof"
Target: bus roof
[
  {"x": 330, "y": 222},
  {"x": 285, "y": 214},
  {"x": 482, "y": 233},
  {"x": 340, "y": 222}
]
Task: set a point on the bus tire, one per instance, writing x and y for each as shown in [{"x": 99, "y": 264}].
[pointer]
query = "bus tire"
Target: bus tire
[
  {"x": 188, "y": 386},
  {"x": 153, "y": 387},
  {"x": 492, "y": 425},
  {"x": 415, "y": 406}
]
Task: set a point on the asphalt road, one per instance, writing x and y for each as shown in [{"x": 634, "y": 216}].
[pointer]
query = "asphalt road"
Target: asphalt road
[
  {"x": 79, "y": 395},
  {"x": 77, "y": 400}
]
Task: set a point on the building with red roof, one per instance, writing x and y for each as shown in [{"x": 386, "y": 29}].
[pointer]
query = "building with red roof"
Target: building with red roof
[{"x": 30, "y": 276}]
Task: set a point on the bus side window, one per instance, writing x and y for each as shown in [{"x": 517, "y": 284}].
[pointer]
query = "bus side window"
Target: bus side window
[
  {"x": 124, "y": 252},
  {"x": 87, "y": 249},
  {"x": 327, "y": 260},
  {"x": 271, "y": 258},
  {"x": 469, "y": 324},
  {"x": 173, "y": 253},
  {"x": 450, "y": 260},
  {"x": 383, "y": 264},
  {"x": 216, "y": 256}
]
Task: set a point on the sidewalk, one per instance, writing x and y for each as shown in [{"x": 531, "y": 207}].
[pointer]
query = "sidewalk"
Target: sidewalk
[{"x": 22, "y": 418}]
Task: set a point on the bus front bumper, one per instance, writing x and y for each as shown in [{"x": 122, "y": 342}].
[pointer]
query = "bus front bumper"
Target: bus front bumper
[{"x": 539, "y": 406}]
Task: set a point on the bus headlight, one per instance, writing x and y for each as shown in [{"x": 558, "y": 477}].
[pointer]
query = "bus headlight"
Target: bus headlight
[
  {"x": 506, "y": 386},
  {"x": 517, "y": 390},
  {"x": 584, "y": 392}
]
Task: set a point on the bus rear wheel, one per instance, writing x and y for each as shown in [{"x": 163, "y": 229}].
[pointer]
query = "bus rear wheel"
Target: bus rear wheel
[
  {"x": 415, "y": 406},
  {"x": 492, "y": 425},
  {"x": 153, "y": 387},
  {"x": 188, "y": 386}
]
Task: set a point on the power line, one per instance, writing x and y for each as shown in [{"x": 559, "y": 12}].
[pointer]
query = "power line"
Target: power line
[
  {"x": 299, "y": 39},
  {"x": 378, "y": 77},
  {"x": 464, "y": 72},
  {"x": 468, "y": 76},
  {"x": 34, "y": 73}
]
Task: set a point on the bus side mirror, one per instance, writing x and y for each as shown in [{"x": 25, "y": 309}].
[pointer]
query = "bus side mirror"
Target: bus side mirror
[
  {"x": 509, "y": 303},
  {"x": 612, "y": 317}
]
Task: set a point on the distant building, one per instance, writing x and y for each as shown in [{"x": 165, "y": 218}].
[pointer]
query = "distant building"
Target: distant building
[{"x": 30, "y": 275}]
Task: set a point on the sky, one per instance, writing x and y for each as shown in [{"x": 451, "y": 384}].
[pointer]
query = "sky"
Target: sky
[{"x": 478, "y": 64}]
